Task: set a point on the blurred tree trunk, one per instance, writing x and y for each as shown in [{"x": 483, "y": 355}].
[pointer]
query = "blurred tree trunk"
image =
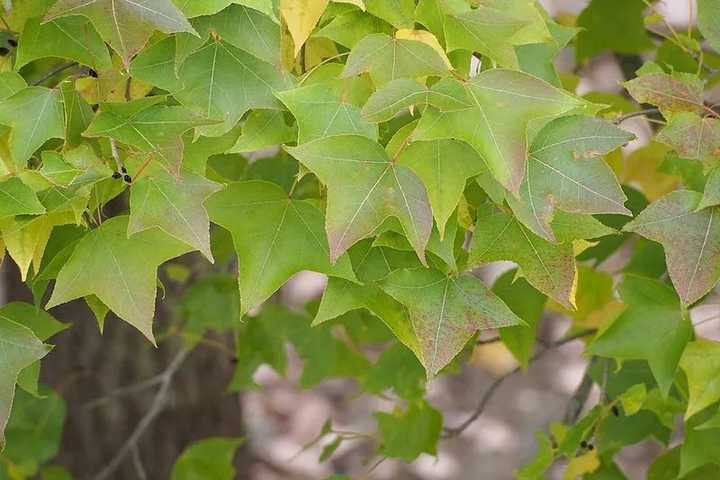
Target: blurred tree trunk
[{"x": 86, "y": 365}]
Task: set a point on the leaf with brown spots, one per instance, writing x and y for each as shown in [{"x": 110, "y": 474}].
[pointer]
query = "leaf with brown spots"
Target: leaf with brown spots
[
  {"x": 446, "y": 311},
  {"x": 681, "y": 92}
]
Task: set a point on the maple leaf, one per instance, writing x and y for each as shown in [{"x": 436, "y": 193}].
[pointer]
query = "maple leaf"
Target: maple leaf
[
  {"x": 275, "y": 237},
  {"x": 120, "y": 270},
  {"x": 446, "y": 311},
  {"x": 223, "y": 82},
  {"x": 19, "y": 349},
  {"x": 320, "y": 113},
  {"x": 651, "y": 307},
  {"x": 562, "y": 173},
  {"x": 701, "y": 363},
  {"x": 18, "y": 199},
  {"x": 365, "y": 188},
  {"x": 690, "y": 237},
  {"x": 500, "y": 104},
  {"x": 548, "y": 267},
  {"x": 152, "y": 128},
  {"x": 175, "y": 205},
  {"x": 387, "y": 58},
  {"x": 35, "y": 115},
  {"x": 125, "y": 24}
]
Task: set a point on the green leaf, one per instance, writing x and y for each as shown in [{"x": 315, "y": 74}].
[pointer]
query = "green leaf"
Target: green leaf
[
  {"x": 444, "y": 166},
  {"x": 633, "y": 398},
  {"x": 351, "y": 27},
  {"x": 249, "y": 30},
  {"x": 210, "y": 303},
  {"x": 18, "y": 199},
  {"x": 223, "y": 82},
  {"x": 500, "y": 105},
  {"x": 487, "y": 30},
  {"x": 692, "y": 136},
  {"x": 701, "y": 364},
  {"x": 120, "y": 270},
  {"x": 528, "y": 304},
  {"x": 615, "y": 25},
  {"x": 548, "y": 267},
  {"x": 700, "y": 449},
  {"x": 676, "y": 93},
  {"x": 708, "y": 22},
  {"x": 320, "y": 113},
  {"x": 263, "y": 128},
  {"x": 651, "y": 307},
  {"x": 396, "y": 369},
  {"x": 207, "y": 458},
  {"x": 20, "y": 349},
  {"x": 387, "y": 58},
  {"x": 406, "y": 435},
  {"x": 152, "y": 128},
  {"x": 398, "y": 13},
  {"x": 152, "y": 64},
  {"x": 10, "y": 84},
  {"x": 711, "y": 195},
  {"x": 446, "y": 311},
  {"x": 125, "y": 24},
  {"x": 275, "y": 237},
  {"x": 690, "y": 237},
  {"x": 175, "y": 205},
  {"x": 72, "y": 38},
  {"x": 78, "y": 113},
  {"x": 535, "y": 470},
  {"x": 35, "y": 115},
  {"x": 364, "y": 188},
  {"x": 563, "y": 173},
  {"x": 400, "y": 94},
  {"x": 371, "y": 264}
]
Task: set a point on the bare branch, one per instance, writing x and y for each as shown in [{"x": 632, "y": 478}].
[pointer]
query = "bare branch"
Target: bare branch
[
  {"x": 579, "y": 398},
  {"x": 157, "y": 406},
  {"x": 450, "y": 432}
]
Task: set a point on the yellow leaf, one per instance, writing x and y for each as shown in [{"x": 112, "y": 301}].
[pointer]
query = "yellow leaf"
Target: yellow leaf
[
  {"x": 641, "y": 170},
  {"x": 425, "y": 37},
  {"x": 588, "y": 462},
  {"x": 301, "y": 16}
]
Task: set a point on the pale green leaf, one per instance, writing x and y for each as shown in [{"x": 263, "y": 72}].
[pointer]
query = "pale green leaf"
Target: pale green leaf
[
  {"x": 701, "y": 363},
  {"x": 120, "y": 270},
  {"x": 364, "y": 189},
  {"x": 275, "y": 237},
  {"x": 207, "y": 458}
]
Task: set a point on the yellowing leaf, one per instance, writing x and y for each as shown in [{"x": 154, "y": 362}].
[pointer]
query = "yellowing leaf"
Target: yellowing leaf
[
  {"x": 301, "y": 16},
  {"x": 425, "y": 37},
  {"x": 586, "y": 463}
]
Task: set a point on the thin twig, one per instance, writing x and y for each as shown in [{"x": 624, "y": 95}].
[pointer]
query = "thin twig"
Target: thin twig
[
  {"x": 115, "y": 154},
  {"x": 124, "y": 391},
  {"x": 579, "y": 398},
  {"x": 450, "y": 432},
  {"x": 54, "y": 72},
  {"x": 639, "y": 113},
  {"x": 137, "y": 461},
  {"x": 157, "y": 406},
  {"x": 487, "y": 341}
]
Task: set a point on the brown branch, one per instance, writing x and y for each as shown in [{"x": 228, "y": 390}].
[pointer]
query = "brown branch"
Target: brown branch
[
  {"x": 579, "y": 398},
  {"x": 157, "y": 406},
  {"x": 450, "y": 432}
]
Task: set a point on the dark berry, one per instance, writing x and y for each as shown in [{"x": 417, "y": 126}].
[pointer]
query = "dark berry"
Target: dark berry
[
  {"x": 583, "y": 444},
  {"x": 3, "y": 51},
  {"x": 12, "y": 42},
  {"x": 92, "y": 73},
  {"x": 615, "y": 411},
  {"x": 95, "y": 107},
  {"x": 590, "y": 446},
  {"x": 117, "y": 175},
  {"x": 123, "y": 169},
  {"x": 127, "y": 178}
]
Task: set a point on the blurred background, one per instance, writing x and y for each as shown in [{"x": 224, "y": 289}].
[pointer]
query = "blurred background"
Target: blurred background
[{"x": 278, "y": 418}]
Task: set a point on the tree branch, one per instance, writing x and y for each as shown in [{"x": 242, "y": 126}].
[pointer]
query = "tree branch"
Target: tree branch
[
  {"x": 450, "y": 432},
  {"x": 54, "y": 72},
  {"x": 157, "y": 406},
  {"x": 579, "y": 398}
]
